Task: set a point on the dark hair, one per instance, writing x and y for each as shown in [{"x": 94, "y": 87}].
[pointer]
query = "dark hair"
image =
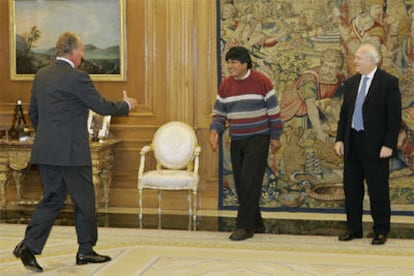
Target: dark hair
[
  {"x": 66, "y": 43},
  {"x": 241, "y": 54}
]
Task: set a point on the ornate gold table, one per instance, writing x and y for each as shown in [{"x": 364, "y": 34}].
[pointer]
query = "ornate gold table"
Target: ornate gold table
[{"x": 15, "y": 157}]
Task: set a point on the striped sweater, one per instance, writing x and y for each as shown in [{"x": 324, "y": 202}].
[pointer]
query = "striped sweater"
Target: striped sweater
[{"x": 249, "y": 105}]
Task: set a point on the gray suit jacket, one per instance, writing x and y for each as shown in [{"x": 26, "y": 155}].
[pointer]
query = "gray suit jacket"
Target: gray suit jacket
[
  {"x": 381, "y": 112},
  {"x": 59, "y": 108}
]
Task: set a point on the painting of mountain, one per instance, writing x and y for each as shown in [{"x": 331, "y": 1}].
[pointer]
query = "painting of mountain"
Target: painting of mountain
[
  {"x": 96, "y": 60},
  {"x": 36, "y": 25}
]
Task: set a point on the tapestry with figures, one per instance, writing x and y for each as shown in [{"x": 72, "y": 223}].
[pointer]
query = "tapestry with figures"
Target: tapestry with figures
[{"x": 307, "y": 49}]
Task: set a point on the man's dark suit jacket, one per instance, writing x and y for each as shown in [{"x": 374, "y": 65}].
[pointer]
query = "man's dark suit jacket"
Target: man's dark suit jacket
[
  {"x": 59, "y": 108},
  {"x": 381, "y": 112}
]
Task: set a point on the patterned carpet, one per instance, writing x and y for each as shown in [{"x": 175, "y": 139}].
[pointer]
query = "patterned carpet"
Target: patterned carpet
[{"x": 181, "y": 252}]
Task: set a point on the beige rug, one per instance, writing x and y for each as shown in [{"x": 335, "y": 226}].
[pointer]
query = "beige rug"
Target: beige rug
[{"x": 169, "y": 252}]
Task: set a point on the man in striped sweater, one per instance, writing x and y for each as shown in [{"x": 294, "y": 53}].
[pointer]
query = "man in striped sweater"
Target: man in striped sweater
[{"x": 247, "y": 102}]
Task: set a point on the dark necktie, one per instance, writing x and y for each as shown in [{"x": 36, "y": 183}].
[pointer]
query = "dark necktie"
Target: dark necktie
[{"x": 358, "y": 120}]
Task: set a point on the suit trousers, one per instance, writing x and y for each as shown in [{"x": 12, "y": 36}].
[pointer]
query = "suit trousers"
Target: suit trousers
[
  {"x": 249, "y": 160},
  {"x": 358, "y": 168},
  {"x": 57, "y": 182}
]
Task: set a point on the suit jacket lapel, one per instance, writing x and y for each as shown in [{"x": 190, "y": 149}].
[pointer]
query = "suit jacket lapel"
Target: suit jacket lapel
[
  {"x": 374, "y": 84},
  {"x": 354, "y": 91}
]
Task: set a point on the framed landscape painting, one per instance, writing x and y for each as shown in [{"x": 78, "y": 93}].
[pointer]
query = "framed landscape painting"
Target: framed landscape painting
[{"x": 36, "y": 25}]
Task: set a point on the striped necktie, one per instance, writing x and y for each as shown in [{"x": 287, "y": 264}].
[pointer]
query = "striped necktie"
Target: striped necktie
[{"x": 358, "y": 120}]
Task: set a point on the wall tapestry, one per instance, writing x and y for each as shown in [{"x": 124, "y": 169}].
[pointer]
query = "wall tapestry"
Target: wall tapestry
[{"x": 306, "y": 47}]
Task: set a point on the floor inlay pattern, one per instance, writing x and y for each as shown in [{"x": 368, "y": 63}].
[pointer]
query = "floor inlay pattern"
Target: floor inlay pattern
[{"x": 152, "y": 252}]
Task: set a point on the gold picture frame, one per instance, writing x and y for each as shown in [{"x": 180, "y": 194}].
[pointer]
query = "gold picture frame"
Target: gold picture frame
[{"x": 36, "y": 25}]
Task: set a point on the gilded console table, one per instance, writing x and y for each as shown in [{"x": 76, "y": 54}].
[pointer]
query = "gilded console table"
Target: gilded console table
[{"x": 15, "y": 157}]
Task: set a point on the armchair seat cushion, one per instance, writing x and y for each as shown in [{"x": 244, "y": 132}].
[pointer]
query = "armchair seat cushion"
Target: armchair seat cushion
[{"x": 168, "y": 179}]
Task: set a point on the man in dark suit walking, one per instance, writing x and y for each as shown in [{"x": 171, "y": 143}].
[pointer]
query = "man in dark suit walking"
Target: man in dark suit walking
[
  {"x": 59, "y": 107},
  {"x": 368, "y": 128}
]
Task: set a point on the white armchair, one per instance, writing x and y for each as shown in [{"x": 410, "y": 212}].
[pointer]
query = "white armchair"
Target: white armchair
[{"x": 176, "y": 151}]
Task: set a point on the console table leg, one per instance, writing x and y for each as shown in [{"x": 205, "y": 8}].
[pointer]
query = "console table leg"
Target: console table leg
[
  {"x": 18, "y": 180},
  {"x": 3, "y": 181},
  {"x": 3, "y": 190}
]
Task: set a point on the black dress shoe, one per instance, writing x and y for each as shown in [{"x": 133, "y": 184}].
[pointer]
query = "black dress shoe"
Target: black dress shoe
[
  {"x": 350, "y": 236},
  {"x": 91, "y": 257},
  {"x": 241, "y": 234},
  {"x": 28, "y": 259},
  {"x": 379, "y": 239}
]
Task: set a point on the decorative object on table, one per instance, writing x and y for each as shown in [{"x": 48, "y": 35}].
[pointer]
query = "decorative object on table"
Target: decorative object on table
[
  {"x": 98, "y": 126},
  {"x": 19, "y": 129}
]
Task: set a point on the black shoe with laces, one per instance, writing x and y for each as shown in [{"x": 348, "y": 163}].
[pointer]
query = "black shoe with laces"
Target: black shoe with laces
[
  {"x": 27, "y": 258},
  {"x": 241, "y": 234},
  {"x": 91, "y": 257},
  {"x": 379, "y": 239}
]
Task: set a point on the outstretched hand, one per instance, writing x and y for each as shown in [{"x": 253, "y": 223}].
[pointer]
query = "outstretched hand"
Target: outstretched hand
[{"x": 131, "y": 101}]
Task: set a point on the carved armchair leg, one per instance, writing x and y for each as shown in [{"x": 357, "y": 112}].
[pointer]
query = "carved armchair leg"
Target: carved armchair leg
[
  {"x": 190, "y": 208},
  {"x": 140, "y": 208},
  {"x": 159, "y": 195},
  {"x": 195, "y": 206}
]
